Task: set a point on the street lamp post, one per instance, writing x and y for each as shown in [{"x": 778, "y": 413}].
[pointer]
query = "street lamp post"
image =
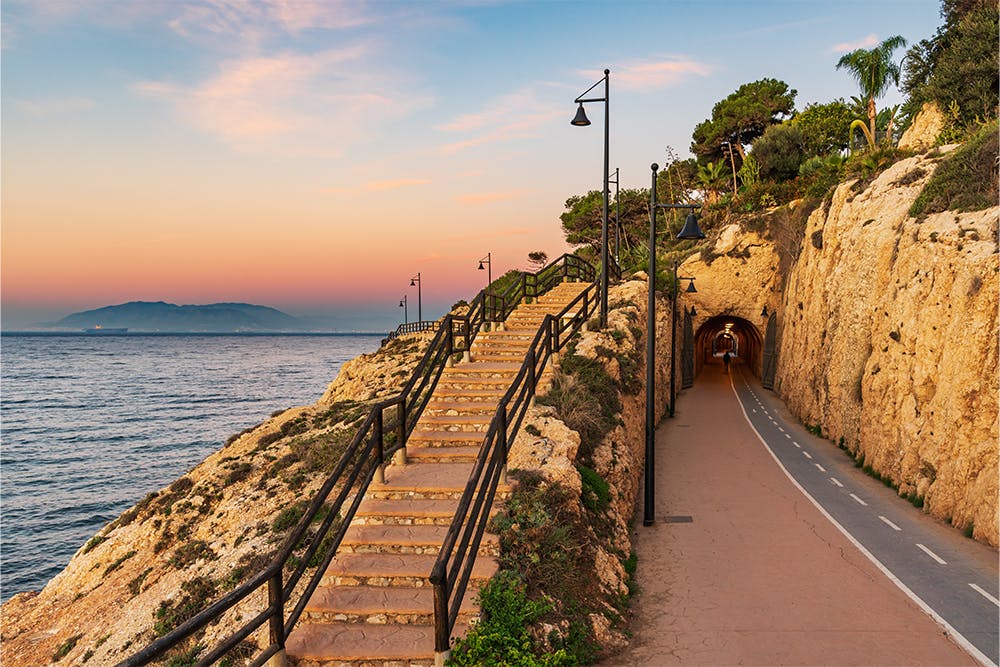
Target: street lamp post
[
  {"x": 618, "y": 221},
  {"x": 402, "y": 304},
  {"x": 673, "y": 333},
  {"x": 415, "y": 281},
  {"x": 581, "y": 120},
  {"x": 689, "y": 231},
  {"x": 489, "y": 279}
]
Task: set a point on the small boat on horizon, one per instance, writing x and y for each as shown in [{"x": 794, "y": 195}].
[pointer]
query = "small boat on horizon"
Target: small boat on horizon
[{"x": 106, "y": 330}]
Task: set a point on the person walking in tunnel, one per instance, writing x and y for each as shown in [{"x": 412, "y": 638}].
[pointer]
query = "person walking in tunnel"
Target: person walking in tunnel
[{"x": 725, "y": 361}]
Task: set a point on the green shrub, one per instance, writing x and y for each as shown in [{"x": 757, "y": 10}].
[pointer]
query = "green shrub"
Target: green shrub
[
  {"x": 65, "y": 648},
  {"x": 197, "y": 594},
  {"x": 595, "y": 493},
  {"x": 587, "y": 400},
  {"x": 966, "y": 180},
  {"x": 502, "y": 636},
  {"x": 190, "y": 553},
  {"x": 289, "y": 517}
]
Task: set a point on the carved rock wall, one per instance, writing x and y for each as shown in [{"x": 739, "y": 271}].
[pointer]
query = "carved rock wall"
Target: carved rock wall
[{"x": 889, "y": 341}]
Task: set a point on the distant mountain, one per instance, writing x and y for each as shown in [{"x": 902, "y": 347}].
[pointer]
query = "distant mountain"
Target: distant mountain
[{"x": 162, "y": 316}]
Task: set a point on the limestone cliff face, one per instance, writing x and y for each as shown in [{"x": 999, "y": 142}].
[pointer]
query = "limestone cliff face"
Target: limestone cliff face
[
  {"x": 180, "y": 548},
  {"x": 889, "y": 337}
]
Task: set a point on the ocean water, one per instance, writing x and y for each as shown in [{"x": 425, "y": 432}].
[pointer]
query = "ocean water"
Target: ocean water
[{"x": 91, "y": 424}]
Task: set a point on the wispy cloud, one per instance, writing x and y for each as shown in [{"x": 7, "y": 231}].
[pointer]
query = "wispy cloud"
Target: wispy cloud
[
  {"x": 379, "y": 186},
  {"x": 55, "y": 105},
  {"x": 517, "y": 115},
  {"x": 863, "y": 43},
  {"x": 477, "y": 198},
  {"x": 495, "y": 234},
  {"x": 291, "y": 102},
  {"x": 652, "y": 74},
  {"x": 249, "y": 19}
]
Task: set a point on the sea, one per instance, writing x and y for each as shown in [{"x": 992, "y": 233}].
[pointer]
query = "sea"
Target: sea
[{"x": 89, "y": 424}]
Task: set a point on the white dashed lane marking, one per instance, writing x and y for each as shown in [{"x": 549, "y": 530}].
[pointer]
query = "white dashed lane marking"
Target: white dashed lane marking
[
  {"x": 807, "y": 455},
  {"x": 819, "y": 467},
  {"x": 985, "y": 594},
  {"x": 788, "y": 436},
  {"x": 860, "y": 502},
  {"x": 796, "y": 444},
  {"x": 940, "y": 561},
  {"x": 889, "y": 523},
  {"x": 837, "y": 482}
]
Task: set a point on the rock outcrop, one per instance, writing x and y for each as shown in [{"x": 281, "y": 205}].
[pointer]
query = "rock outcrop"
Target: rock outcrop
[
  {"x": 924, "y": 130},
  {"x": 889, "y": 341}
]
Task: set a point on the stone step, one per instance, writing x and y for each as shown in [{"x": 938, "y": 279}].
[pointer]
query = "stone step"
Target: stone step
[
  {"x": 410, "y": 512},
  {"x": 381, "y": 605},
  {"x": 342, "y": 644},
  {"x": 474, "y": 384},
  {"x": 442, "y": 454},
  {"x": 466, "y": 422},
  {"x": 444, "y": 406},
  {"x": 411, "y": 570},
  {"x": 405, "y": 540},
  {"x": 432, "y": 438},
  {"x": 467, "y": 396}
]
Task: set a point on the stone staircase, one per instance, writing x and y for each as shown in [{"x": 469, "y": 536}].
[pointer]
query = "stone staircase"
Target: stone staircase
[{"x": 374, "y": 604}]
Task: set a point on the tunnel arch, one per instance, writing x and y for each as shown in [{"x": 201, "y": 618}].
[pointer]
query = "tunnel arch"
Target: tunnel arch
[{"x": 722, "y": 333}]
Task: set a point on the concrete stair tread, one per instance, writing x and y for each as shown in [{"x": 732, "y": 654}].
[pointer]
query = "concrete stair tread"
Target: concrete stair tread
[
  {"x": 360, "y": 641},
  {"x": 399, "y": 565},
  {"x": 482, "y": 367},
  {"x": 484, "y": 407},
  {"x": 411, "y": 507},
  {"x": 402, "y": 535},
  {"x": 474, "y": 419},
  {"x": 462, "y": 453},
  {"x": 450, "y": 476},
  {"x": 368, "y": 600},
  {"x": 445, "y": 436},
  {"x": 446, "y": 394}
]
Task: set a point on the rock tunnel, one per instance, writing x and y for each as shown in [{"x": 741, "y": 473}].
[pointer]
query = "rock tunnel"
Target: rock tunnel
[{"x": 728, "y": 333}]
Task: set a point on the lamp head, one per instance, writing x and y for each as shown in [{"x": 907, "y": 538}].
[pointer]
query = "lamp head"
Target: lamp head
[
  {"x": 481, "y": 267},
  {"x": 413, "y": 282},
  {"x": 763, "y": 312},
  {"x": 693, "y": 311},
  {"x": 401, "y": 303},
  {"x": 690, "y": 230},
  {"x": 690, "y": 288},
  {"x": 580, "y": 119}
]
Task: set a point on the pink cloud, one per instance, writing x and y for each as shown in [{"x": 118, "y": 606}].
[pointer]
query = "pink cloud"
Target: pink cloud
[
  {"x": 517, "y": 115},
  {"x": 378, "y": 186},
  {"x": 863, "y": 43},
  {"x": 646, "y": 75}
]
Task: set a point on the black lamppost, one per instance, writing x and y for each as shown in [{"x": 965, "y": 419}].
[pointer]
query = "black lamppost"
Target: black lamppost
[
  {"x": 690, "y": 231},
  {"x": 673, "y": 330},
  {"x": 402, "y": 304},
  {"x": 415, "y": 281},
  {"x": 489, "y": 269},
  {"x": 618, "y": 221},
  {"x": 581, "y": 120}
]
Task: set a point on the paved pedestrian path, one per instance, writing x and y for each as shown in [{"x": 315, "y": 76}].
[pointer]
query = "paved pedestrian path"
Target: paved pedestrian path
[{"x": 741, "y": 569}]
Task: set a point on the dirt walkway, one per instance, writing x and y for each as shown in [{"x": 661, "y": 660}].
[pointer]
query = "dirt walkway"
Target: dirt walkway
[{"x": 759, "y": 576}]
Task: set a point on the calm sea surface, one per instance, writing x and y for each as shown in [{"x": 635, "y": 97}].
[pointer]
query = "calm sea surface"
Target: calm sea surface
[{"x": 91, "y": 424}]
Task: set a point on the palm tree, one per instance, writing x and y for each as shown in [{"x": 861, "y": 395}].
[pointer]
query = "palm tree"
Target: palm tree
[
  {"x": 874, "y": 71},
  {"x": 712, "y": 177}
]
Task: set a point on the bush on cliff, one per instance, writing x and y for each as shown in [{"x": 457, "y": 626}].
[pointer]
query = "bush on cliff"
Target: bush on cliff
[{"x": 967, "y": 178}]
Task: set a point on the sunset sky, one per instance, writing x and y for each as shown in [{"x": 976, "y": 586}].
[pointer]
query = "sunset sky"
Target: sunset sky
[{"x": 313, "y": 156}]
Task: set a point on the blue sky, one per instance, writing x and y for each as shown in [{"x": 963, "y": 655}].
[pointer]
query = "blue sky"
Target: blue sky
[{"x": 313, "y": 156}]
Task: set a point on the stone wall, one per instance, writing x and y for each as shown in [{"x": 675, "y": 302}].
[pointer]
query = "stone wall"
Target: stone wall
[{"x": 889, "y": 341}]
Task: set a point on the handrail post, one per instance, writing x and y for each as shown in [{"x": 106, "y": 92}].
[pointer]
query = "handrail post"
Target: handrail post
[
  {"x": 554, "y": 338},
  {"x": 442, "y": 642},
  {"x": 532, "y": 380},
  {"x": 276, "y": 602},
  {"x": 450, "y": 345},
  {"x": 502, "y": 440},
  {"x": 400, "y": 457},
  {"x": 379, "y": 448}
]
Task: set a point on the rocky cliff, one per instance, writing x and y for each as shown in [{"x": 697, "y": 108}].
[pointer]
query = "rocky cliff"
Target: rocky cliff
[{"x": 888, "y": 341}]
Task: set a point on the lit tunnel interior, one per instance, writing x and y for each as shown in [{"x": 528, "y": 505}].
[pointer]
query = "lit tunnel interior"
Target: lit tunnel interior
[{"x": 727, "y": 333}]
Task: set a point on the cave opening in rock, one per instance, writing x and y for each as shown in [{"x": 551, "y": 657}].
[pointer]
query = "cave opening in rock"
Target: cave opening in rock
[{"x": 728, "y": 333}]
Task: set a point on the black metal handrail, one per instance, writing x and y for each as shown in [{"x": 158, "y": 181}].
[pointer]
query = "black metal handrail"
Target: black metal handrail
[
  {"x": 499, "y": 305},
  {"x": 409, "y": 328},
  {"x": 453, "y": 567},
  {"x": 375, "y": 442}
]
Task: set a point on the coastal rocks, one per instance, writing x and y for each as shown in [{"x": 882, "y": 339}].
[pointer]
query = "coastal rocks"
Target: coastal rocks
[
  {"x": 381, "y": 373},
  {"x": 547, "y": 446},
  {"x": 888, "y": 342}
]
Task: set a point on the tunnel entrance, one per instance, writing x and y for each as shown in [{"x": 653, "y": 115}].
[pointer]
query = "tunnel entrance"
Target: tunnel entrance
[{"x": 728, "y": 333}]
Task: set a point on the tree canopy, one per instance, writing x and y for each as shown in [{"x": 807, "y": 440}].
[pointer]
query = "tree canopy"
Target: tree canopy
[
  {"x": 874, "y": 71},
  {"x": 825, "y": 127},
  {"x": 742, "y": 117}
]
